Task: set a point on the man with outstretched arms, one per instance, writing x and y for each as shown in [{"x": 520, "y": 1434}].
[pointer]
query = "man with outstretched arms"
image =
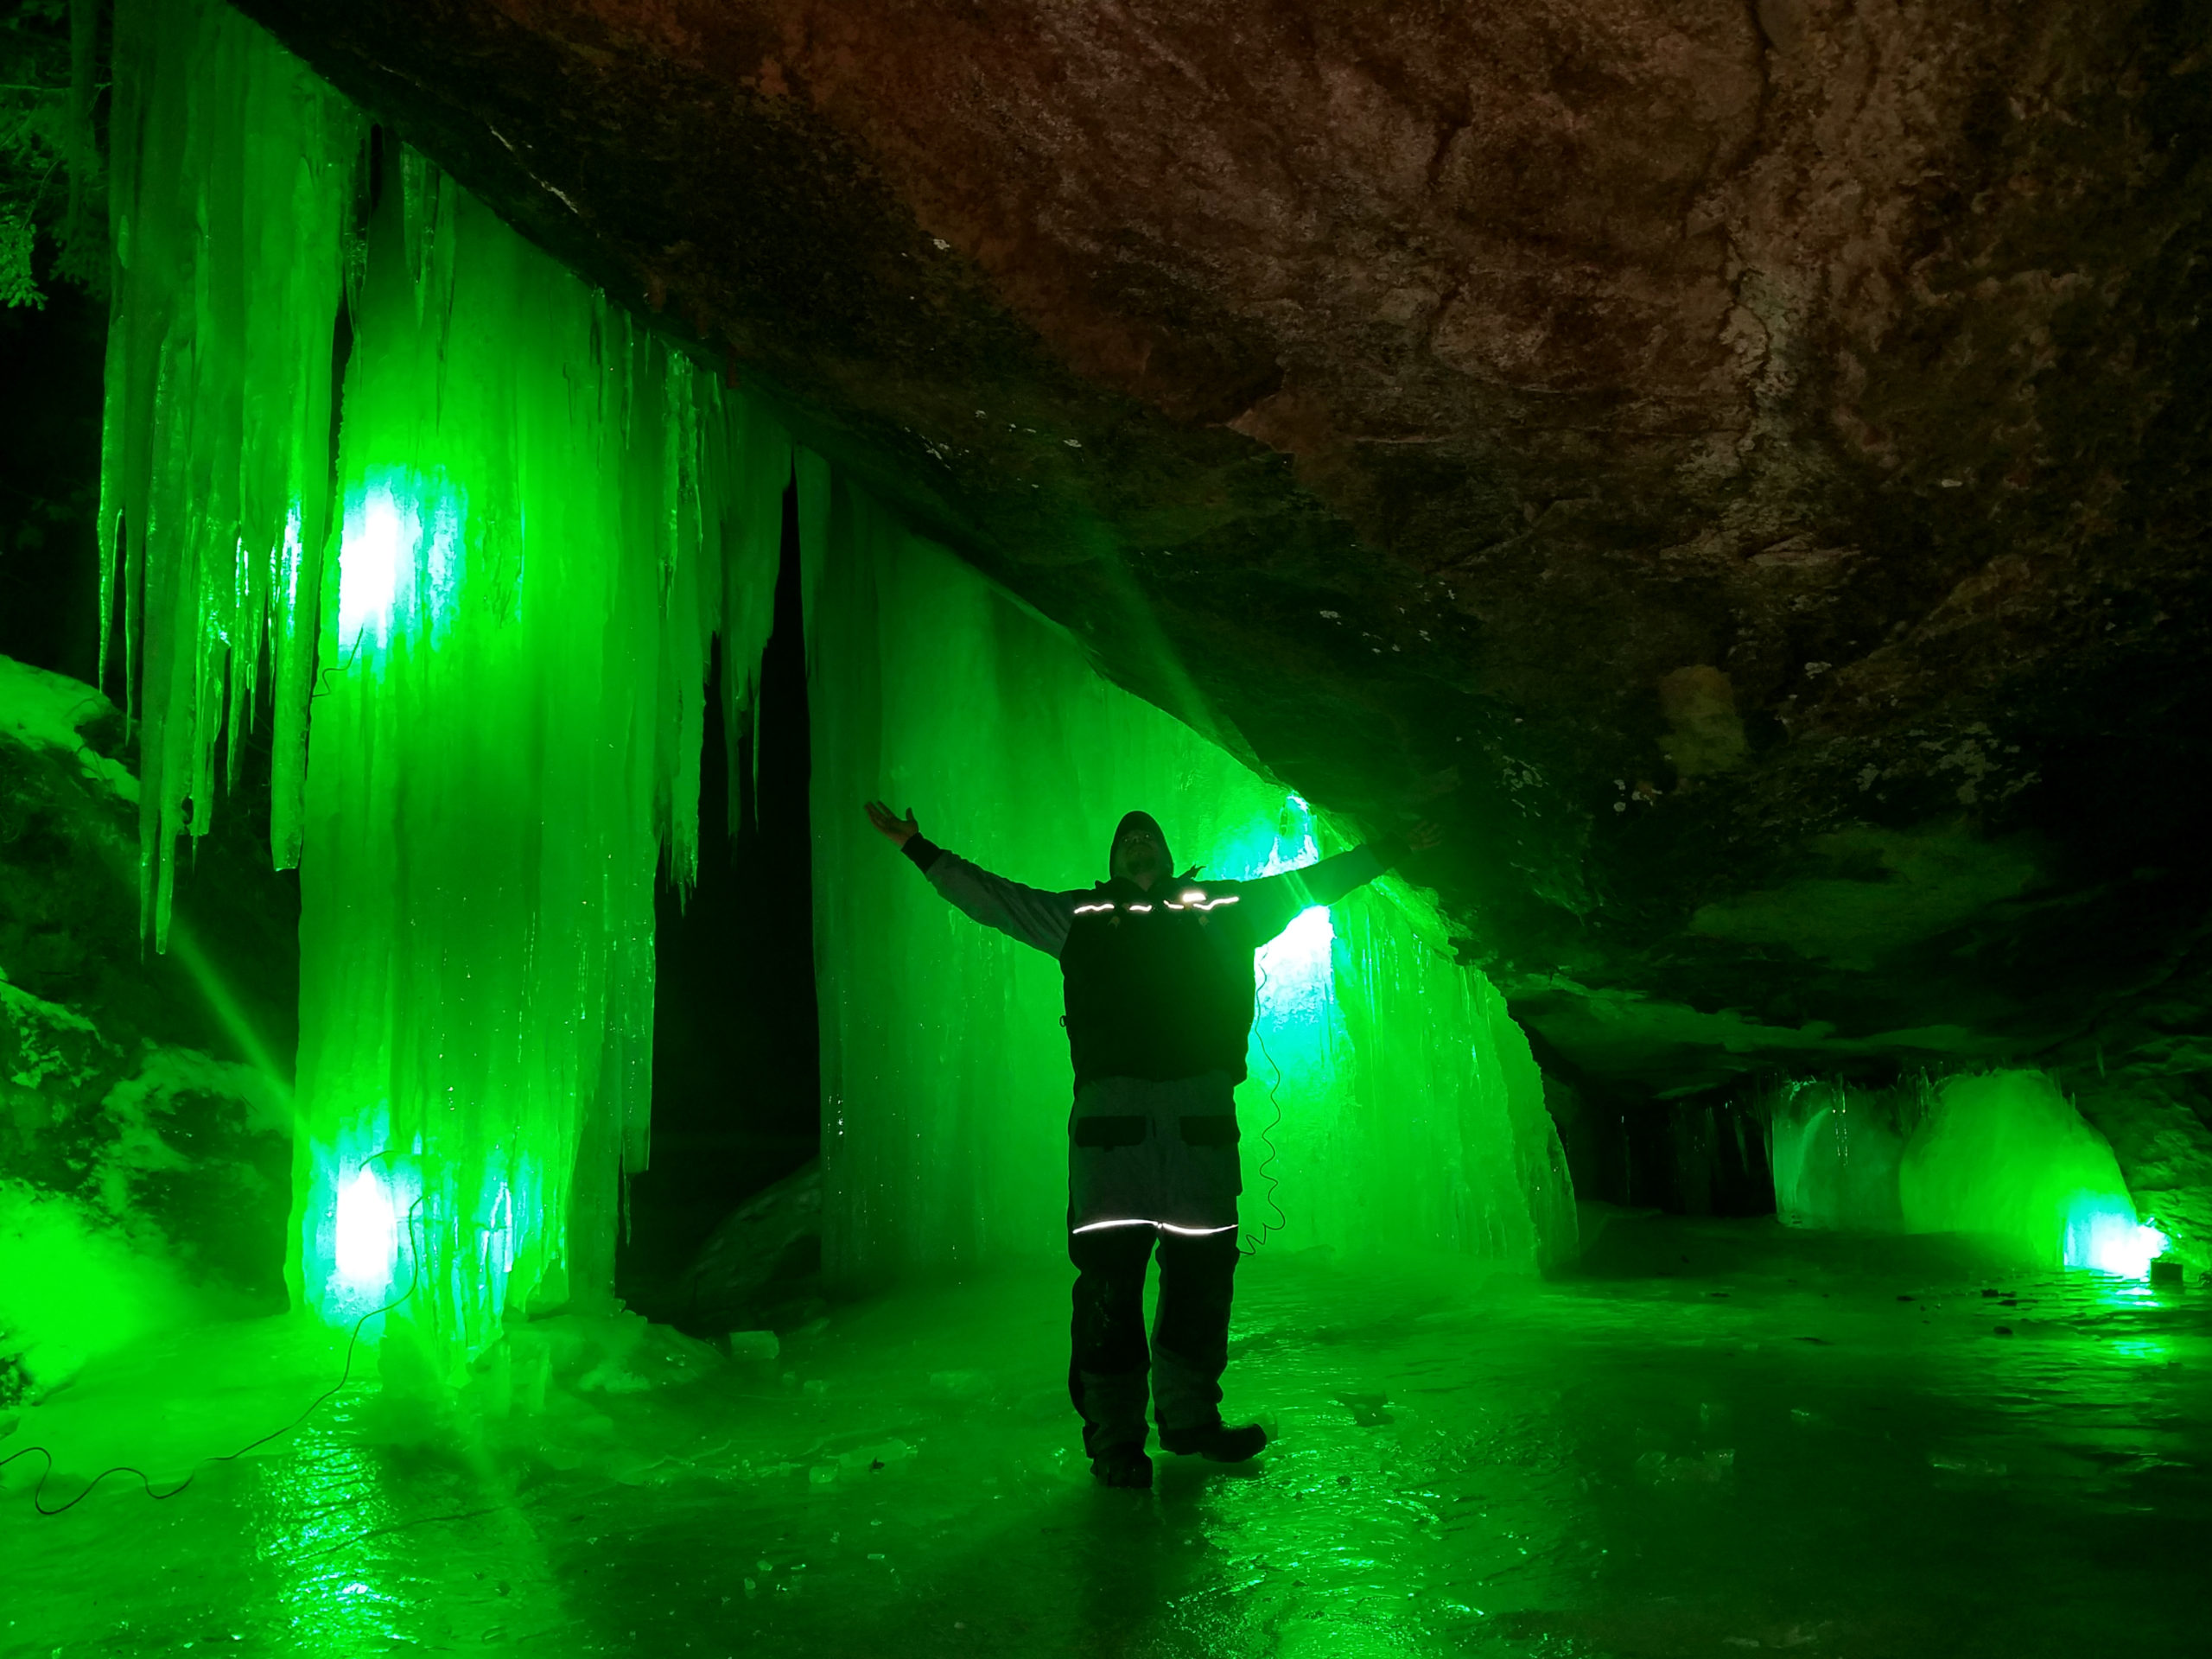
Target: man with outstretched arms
[{"x": 1161, "y": 998}]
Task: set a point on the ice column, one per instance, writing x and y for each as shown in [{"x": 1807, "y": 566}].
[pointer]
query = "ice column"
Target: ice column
[
  {"x": 529, "y": 568},
  {"x": 542, "y": 516}
]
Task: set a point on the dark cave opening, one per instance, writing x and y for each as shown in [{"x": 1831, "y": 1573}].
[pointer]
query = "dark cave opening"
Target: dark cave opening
[
  {"x": 736, "y": 1063},
  {"x": 49, "y": 478}
]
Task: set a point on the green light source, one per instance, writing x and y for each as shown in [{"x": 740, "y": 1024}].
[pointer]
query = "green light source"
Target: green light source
[
  {"x": 366, "y": 1246},
  {"x": 1300, "y": 954},
  {"x": 400, "y": 560},
  {"x": 2104, "y": 1234},
  {"x": 1295, "y": 966}
]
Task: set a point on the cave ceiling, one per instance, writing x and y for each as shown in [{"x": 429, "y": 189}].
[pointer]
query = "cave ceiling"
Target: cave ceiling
[{"x": 1742, "y": 465}]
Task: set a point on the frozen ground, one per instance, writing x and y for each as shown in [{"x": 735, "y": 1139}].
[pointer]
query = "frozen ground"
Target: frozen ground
[{"x": 1718, "y": 1439}]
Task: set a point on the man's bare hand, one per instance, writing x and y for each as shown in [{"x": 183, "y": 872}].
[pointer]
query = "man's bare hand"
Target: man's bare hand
[
  {"x": 1424, "y": 835},
  {"x": 899, "y": 830}
]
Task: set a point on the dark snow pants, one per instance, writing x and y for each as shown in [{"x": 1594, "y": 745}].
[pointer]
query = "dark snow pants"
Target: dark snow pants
[{"x": 1108, "y": 1374}]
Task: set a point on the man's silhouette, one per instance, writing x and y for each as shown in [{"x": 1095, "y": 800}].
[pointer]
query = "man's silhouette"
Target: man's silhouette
[{"x": 1159, "y": 1003}]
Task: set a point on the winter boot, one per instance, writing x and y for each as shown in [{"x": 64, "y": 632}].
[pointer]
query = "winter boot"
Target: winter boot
[{"x": 1217, "y": 1441}]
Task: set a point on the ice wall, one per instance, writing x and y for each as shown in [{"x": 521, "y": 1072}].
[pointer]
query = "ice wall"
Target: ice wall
[
  {"x": 2004, "y": 1154},
  {"x": 2000, "y": 1154},
  {"x": 1443, "y": 1116},
  {"x": 505, "y": 580},
  {"x": 1412, "y": 1115},
  {"x": 1835, "y": 1155}
]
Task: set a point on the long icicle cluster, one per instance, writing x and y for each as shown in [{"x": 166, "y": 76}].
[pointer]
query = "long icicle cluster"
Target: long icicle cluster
[
  {"x": 537, "y": 498},
  {"x": 233, "y": 179},
  {"x": 496, "y": 600}
]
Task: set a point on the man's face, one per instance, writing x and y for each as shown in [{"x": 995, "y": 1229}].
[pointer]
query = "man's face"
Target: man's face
[{"x": 1139, "y": 857}]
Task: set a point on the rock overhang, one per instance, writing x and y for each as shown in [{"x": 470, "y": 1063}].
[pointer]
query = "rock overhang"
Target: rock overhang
[{"x": 1737, "y": 463}]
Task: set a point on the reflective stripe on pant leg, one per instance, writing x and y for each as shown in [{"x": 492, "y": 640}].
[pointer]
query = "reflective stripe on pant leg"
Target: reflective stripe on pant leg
[
  {"x": 1190, "y": 1331},
  {"x": 1108, "y": 1361}
]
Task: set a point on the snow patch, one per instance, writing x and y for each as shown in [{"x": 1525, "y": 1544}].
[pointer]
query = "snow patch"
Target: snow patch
[{"x": 41, "y": 709}]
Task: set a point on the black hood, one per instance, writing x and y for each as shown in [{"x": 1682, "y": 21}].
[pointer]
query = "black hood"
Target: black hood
[{"x": 1139, "y": 821}]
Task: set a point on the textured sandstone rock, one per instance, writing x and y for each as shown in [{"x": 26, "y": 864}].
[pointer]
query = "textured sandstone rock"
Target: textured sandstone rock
[{"x": 1742, "y": 461}]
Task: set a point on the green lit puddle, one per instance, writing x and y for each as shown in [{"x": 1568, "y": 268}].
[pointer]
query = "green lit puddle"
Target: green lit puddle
[{"x": 1718, "y": 1438}]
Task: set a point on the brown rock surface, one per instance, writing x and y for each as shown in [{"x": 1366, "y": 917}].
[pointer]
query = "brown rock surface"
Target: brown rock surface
[{"x": 1743, "y": 462}]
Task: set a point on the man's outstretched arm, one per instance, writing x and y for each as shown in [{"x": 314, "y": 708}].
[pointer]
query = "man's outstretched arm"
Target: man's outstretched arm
[
  {"x": 1275, "y": 900},
  {"x": 1030, "y": 914}
]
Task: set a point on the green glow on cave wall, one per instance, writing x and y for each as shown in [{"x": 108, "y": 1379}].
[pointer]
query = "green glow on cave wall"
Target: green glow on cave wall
[
  {"x": 479, "y": 633},
  {"x": 483, "y": 651},
  {"x": 497, "y": 601}
]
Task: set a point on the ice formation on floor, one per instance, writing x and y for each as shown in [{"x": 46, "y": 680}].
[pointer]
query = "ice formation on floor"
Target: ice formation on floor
[
  {"x": 2001, "y": 1154},
  {"x": 2005, "y": 1153}
]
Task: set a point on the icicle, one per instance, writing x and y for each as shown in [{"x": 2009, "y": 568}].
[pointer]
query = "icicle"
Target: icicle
[
  {"x": 757, "y": 469},
  {"x": 227, "y": 200}
]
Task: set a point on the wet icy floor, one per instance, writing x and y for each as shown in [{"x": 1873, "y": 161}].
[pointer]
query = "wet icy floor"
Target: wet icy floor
[{"x": 1717, "y": 1440}]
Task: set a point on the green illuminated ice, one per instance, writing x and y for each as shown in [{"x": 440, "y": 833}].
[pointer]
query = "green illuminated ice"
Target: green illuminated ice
[
  {"x": 2002, "y": 1154},
  {"x": 483, "y": 655},
  {"x": 478, "y": 626},
  {"x": 1412, "y": 1115},
  {"x": 537, "y": 501}
]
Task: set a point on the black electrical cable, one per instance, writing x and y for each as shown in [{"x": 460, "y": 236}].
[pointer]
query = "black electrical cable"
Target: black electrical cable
[
  {"x": 1267, "y": 1135},
  {"x": 344, "y": 1375}
]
